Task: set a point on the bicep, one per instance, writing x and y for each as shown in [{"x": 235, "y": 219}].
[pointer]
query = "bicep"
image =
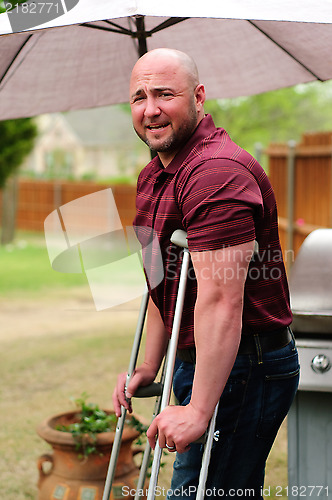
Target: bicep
[{"x": 222, "y": 273}]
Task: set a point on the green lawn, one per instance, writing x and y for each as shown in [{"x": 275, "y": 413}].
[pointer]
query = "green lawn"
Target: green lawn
[{"x": 25, "y": 267}]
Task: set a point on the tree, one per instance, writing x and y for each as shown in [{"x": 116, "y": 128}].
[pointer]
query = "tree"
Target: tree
[
  {"x": 17, "y": 140},
  {"x": 276, "y": 116}
]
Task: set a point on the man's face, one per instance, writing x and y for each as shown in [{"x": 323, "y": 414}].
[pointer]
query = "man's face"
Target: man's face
[{"x": 164, "y": 106}]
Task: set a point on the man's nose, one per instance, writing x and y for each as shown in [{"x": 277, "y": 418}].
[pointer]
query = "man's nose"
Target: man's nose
[{"x": 151, "y": 107}]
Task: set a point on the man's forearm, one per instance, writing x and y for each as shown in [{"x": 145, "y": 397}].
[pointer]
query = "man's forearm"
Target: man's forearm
[{"x": 217, "y": 336}]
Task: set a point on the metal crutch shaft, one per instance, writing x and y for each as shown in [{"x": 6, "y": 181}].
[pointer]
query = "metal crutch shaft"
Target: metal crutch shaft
[
  {"x": 147, "y": 452},
  {"x": 121, "y": 420},
  {"x": 179, "y": 238},
  {"x": 206, "y": 456}
]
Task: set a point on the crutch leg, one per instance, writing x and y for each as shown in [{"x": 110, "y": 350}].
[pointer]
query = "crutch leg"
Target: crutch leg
[
  {"x": 121, "y": 420},
  {"x": 147, "y": 451},
  {"x": 206, "y": 456}
]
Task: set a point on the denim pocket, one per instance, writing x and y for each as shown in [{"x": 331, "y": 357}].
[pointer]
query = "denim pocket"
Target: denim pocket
[
  {"x": 233, "y": 399},
  {"x": 278, "y": 394}
]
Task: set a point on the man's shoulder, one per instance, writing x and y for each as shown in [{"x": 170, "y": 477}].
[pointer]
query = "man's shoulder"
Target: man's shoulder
[
  {"x": 218, "y": 147},
  {"x": 218, "y": 157},
  {"x": 220, "y": 163}
]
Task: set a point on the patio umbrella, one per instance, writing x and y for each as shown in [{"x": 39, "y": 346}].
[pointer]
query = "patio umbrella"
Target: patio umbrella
[{"x": 83, "y": 56}]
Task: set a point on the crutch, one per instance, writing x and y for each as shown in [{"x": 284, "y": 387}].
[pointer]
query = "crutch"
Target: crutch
[
  {"x": 162, "y": 390},
  {"x": 122, "y": 418},
  {"x": 179, "y": 238}
]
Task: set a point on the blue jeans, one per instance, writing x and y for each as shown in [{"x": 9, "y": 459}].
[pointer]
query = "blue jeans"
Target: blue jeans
[{"x": 255, "y": 401}]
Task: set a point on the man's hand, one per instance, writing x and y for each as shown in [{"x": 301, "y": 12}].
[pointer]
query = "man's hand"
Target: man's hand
[
  {"x": 142, "y": 376},
  {"x": 177, "y": 426}
]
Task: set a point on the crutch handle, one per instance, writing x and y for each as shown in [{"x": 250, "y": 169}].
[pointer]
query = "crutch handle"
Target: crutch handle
[
  {"x": 179, "y": 238},
  {"x": 149, "y": 391}
]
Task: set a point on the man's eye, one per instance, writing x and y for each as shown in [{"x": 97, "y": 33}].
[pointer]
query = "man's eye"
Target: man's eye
[{"x": 138, "y": 98}]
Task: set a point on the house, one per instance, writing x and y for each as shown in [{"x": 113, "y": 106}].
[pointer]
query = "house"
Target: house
[{"x": 97, "y": 143}]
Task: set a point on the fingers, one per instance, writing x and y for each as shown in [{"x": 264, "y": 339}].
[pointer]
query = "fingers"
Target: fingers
[
  {"x": 141, "y": 376},
  {"x": 151, "y": 434},
  {"x": 171, "y": 447},
  {"x": 166, "y": 438},
  {"x": 119, "y": 397},
  {"x": 175, "y": 429},
  {"x": 181, "y": 448},
  {"x": 134, "y": 384}
]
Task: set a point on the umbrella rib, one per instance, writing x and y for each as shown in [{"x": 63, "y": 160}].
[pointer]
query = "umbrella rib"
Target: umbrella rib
[
  {"x": 14, "y": 59},
  {"x": 172, "y": 21},
  {"x": 121, "y": 30},
  {"x": 285, "y": 50},
  {"x": 166, "y": 24}
]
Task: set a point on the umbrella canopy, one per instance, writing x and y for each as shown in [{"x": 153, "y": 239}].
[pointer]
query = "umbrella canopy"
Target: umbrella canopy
[{"x": 78, "y": 61}]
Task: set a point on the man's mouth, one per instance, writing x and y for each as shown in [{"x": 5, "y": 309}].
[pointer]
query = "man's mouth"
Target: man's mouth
[{"x": 157, "y": 126}]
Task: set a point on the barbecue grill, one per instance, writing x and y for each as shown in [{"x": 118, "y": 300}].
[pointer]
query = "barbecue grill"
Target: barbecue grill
[{"x": 310, "y": 418}]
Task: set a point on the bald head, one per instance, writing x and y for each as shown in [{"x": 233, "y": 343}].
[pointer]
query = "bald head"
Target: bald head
[
  {"x": 166, "y": 100},
  {"x": 174, "y": 58}
]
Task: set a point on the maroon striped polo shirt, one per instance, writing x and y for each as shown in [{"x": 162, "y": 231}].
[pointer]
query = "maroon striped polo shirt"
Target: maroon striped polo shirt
[{"x": 220, "y": 195}]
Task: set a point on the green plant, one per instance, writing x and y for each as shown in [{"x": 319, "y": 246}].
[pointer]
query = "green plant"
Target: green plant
[{"x": 92, "y": 420}]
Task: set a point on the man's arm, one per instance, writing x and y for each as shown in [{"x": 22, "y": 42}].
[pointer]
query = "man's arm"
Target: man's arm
[
  {"x": 218, "y": 321},
  {"x": 221, "y": 276},
  {"x": 155, "y": 349}
]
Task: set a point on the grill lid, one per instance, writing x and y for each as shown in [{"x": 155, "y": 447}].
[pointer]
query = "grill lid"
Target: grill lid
[{"x": 311, "y": 284}]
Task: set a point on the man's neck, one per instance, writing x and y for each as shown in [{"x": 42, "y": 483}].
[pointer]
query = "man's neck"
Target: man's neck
[{"x": 166, "y": 158}]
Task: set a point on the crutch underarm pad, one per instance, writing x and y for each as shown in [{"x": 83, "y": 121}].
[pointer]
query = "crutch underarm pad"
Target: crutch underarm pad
[{"x": 179, "y": 238}]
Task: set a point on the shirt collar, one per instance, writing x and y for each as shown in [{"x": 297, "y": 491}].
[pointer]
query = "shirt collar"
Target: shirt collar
[{"x": 205, "y": 127}]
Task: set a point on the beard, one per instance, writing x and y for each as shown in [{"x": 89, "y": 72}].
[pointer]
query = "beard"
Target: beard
[{"x": 177, "y": 138}]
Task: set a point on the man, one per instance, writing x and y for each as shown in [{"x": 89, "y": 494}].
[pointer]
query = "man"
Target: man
[{"x": 235, "y": 343}]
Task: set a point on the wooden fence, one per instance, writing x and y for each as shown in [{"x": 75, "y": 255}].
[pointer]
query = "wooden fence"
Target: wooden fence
[
  {"x": 301, "y": 175},
  {"x": 37, "y": 199}
]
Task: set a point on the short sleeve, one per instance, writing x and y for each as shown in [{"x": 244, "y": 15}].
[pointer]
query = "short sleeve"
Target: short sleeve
[{"x": 219, "y": 200}]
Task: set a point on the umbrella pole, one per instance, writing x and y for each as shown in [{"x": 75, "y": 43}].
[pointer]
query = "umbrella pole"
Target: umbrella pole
[{"x": 141, "y": 36}]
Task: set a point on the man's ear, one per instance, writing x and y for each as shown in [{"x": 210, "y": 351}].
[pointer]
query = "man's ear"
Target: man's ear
[{"x": 200, "y": 96}]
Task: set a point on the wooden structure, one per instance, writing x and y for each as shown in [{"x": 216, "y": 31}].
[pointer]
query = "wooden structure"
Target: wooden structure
[
  {"x": 37, "y": 199},
  {"x": 301, "y": 176}
]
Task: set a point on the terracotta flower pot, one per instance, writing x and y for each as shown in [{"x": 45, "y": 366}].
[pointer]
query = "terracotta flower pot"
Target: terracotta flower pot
[{"x": 65, "y": 475}]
